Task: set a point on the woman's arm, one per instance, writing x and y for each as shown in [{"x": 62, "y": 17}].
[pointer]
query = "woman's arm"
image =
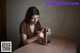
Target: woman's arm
[{"x": 26, "y": 41}]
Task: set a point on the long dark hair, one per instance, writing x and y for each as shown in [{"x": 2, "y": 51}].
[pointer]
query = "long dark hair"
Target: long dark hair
[{"x": 30, "y": 12}]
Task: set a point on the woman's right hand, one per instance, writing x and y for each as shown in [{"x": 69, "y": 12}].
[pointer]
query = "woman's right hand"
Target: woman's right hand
[{"x": 40, "y": 33}]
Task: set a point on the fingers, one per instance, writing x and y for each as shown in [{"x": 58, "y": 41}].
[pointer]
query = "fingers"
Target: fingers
[
  {"x": 38, "y": 32},
  {"x": 42, "y": 30},
  {"x": 41, "y": 35},
  {"x": 48, "y": 29}
]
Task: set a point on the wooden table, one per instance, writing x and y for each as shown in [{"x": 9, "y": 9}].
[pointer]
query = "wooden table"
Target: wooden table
[{"x": 57, "y": 45}]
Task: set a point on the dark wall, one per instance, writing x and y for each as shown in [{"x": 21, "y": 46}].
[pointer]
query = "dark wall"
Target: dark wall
[
  {"x": 2, "y": 20},
  {"x": 64, "y": 21}
]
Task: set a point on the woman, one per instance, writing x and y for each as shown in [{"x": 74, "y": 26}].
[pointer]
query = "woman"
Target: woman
[{"x": 30, "y": 28}]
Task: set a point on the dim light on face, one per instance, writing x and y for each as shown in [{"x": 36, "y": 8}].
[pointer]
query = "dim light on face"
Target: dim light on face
[{"x": 34, "y": 19}]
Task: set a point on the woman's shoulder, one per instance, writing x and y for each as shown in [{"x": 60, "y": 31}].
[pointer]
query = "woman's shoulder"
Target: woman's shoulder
[{"x": 23, "y": 22}]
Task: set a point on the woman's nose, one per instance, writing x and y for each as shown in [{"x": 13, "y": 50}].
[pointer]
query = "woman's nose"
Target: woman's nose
[{"x": 36, "y": 19}]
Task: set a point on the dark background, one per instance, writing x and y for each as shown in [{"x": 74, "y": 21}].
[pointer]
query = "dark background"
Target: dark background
[
  {"x": 3, "y": 20},
  {"x": 64, "y": 21}
]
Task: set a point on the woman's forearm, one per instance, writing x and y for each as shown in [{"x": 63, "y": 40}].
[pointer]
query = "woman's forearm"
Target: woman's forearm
[{"x": 31, "y": 39}]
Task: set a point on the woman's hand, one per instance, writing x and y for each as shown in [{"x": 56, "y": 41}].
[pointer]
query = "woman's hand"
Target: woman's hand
[
  {"x": 48, "y": 30},
  {"x": 40, "y": 33}
]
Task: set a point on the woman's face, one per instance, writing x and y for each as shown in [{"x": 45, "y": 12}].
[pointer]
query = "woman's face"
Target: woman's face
[{"x": 34, "y": 19}]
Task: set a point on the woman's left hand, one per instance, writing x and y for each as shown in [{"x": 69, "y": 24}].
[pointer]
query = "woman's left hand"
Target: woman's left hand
[{"x": 48, "y": 30}]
